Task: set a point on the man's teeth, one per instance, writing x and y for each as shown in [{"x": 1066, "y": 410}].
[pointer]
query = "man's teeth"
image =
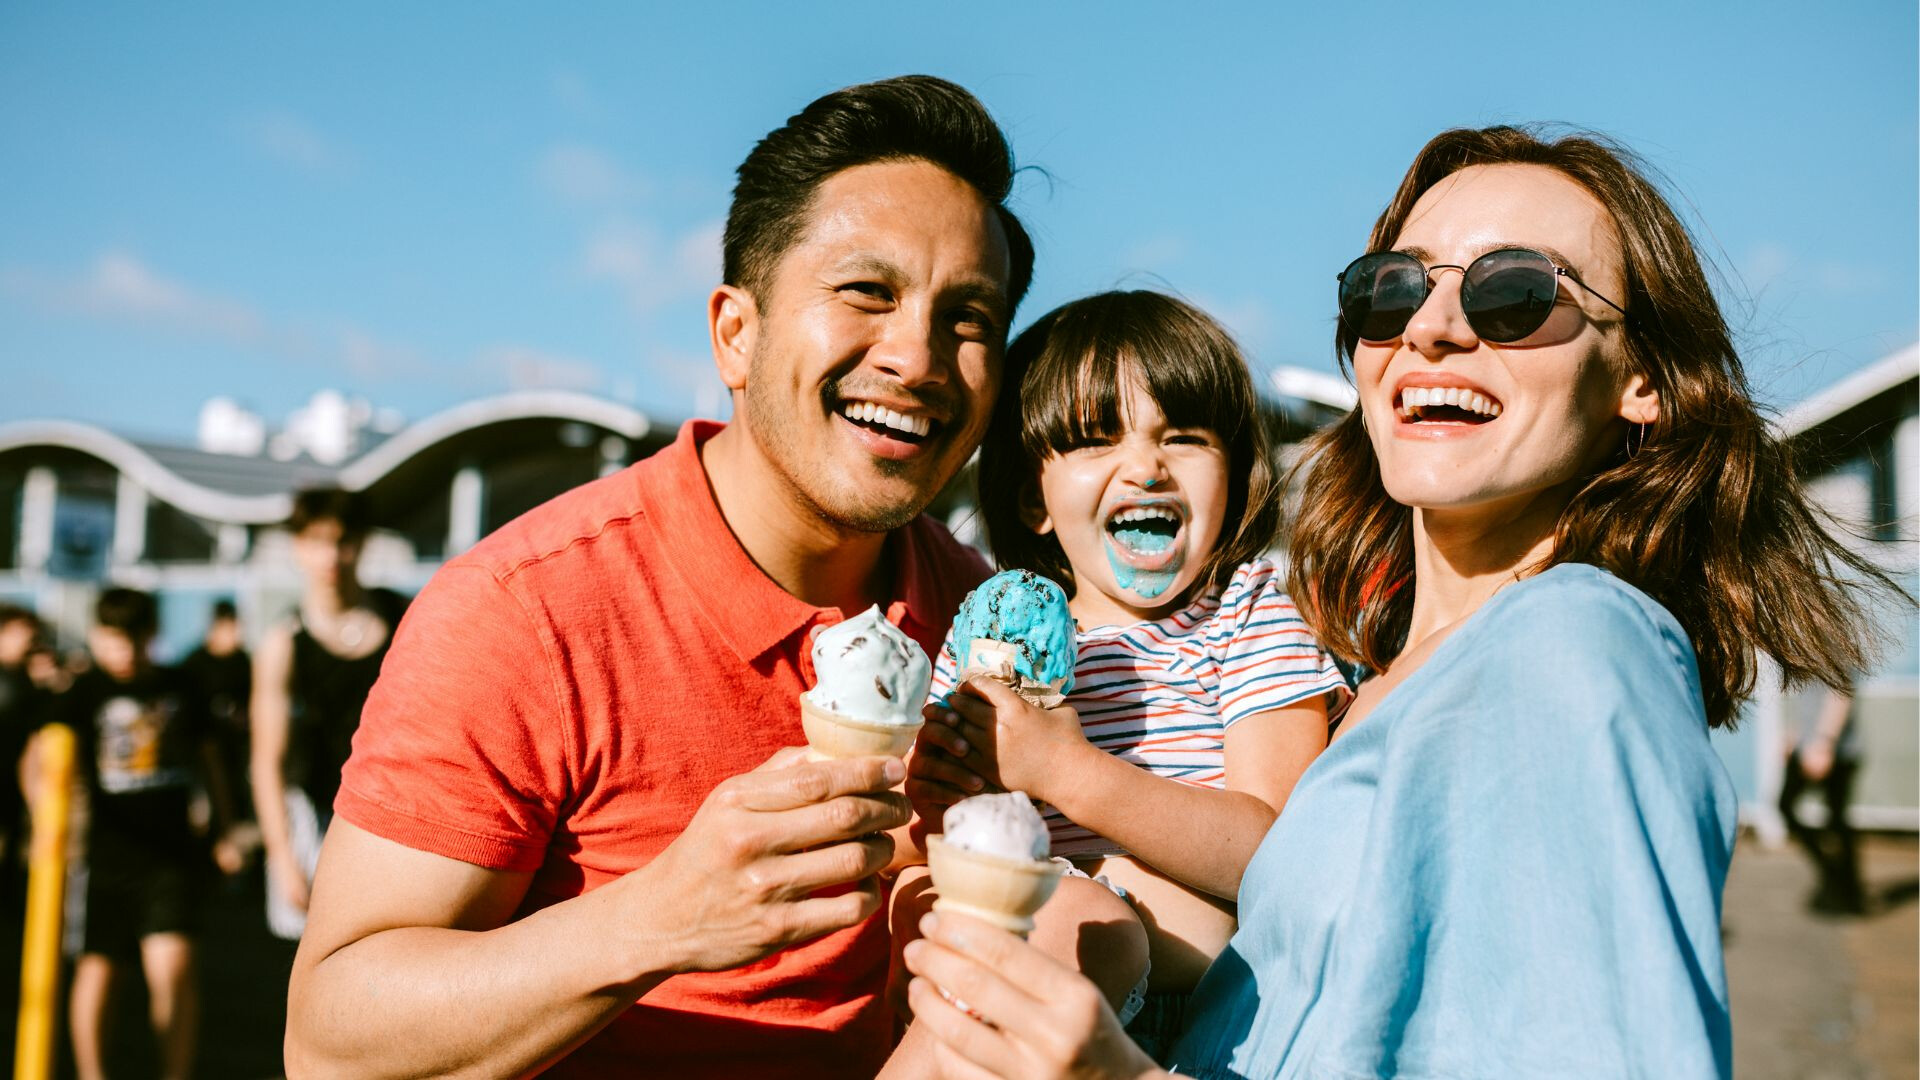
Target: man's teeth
[
  {"x": 868, "y": 412},
  {"x": 1420, "y": 397},
  {"x": 1146, "y": 513}
]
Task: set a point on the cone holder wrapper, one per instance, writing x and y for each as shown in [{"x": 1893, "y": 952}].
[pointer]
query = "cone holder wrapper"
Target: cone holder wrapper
[{"x": 990, "y": 659}]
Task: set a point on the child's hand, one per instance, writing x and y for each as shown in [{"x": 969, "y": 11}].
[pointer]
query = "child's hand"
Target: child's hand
[
  {"x": 944, "y": 767},
  {"x": 1027, "y": 745}
]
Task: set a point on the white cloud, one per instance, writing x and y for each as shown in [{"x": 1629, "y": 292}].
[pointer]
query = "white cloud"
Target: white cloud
[
  {"x": 1157, "y": 252},
  {"x": 1764, "y": 265},
  {"x": 120, "y": 286},
  {"x": 526, "y": 368},
  {"x": 292, "y": 141},
  {"x": 585, "y": 174},
  {"x": 369, "y": 359},
  {"x": 650, "y": 270},
  {"x": 573, "y": 94}
]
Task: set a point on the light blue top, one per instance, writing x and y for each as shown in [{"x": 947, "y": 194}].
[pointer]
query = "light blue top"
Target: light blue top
[{"x": 1511, "y": 868}]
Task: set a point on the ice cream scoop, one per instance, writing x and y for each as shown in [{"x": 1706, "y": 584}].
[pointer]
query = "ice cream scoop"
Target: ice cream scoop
[
  {"x": 991, "y": 863},
  {"x": 870, "y": 680},
  {"x": 1016, "y": 628}
]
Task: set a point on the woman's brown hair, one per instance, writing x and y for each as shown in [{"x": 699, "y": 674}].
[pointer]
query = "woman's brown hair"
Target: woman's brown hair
[
  {"x": 1064, "y": 384},
  {"x": 1704, "y": 511}
]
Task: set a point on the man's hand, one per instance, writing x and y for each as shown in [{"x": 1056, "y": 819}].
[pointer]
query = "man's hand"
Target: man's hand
[
  {"x": 1023, "y": 745},
  {"x": 758, "y": 867},
  {"x": 1024, "y": 1015}
]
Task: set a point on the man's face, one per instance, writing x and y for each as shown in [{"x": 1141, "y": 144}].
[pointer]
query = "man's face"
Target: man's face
[
  {"x": 17, "y": 638},
  {"x": 326, "y": 553},
  {"x": 117, "y": 653},
  {"x": 875, "y": 351}
]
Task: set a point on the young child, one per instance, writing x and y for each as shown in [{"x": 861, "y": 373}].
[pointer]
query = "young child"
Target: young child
[
  {"x": 143, "y": 740},
  {"x": 1128, "y": 462}
]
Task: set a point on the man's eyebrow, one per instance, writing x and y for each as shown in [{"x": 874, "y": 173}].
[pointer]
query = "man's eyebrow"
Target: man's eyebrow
[
  {"x": 977, "y": 289},
  {"x": 982, "y": 291},
  {"x": 867, "y": 263}
]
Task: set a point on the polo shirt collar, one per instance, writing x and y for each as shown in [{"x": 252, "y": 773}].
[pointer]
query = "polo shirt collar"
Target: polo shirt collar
[{"x": 748, "y": 609}]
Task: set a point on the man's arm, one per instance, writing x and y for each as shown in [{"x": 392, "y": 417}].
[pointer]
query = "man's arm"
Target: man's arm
[
  {"x": 269, "y": 718},
  {"x": 410, "y": 967}
]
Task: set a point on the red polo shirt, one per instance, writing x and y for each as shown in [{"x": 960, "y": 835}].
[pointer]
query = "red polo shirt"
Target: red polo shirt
[{"x": 561, "y": 699}]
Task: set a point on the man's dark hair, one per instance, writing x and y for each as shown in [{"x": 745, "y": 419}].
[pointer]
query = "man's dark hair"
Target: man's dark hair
[
  {"x": 13, "y": 613},
  {"x": 224, "y": 609},
  {"x": 348, "y": 508},
  {"x": 129, "y": 611},
  {"x": 913, "y": 117}
]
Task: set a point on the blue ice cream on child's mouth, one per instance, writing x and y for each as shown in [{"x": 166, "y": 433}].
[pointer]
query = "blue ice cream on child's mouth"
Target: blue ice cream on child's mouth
[{"x": 1028, "y": 612}]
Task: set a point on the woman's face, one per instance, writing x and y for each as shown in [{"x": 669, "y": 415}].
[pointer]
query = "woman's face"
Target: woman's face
[{"x": 1552, "y": 406}]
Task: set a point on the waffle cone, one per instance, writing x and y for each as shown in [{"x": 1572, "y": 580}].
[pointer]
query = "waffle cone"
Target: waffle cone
[
  {"x": 1004, "y": 892},
  {"x": 987, "y": 658},
  {"x": 830, "y": 735}
]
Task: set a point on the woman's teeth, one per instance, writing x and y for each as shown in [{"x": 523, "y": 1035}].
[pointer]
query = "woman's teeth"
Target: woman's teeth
[
  {"x": 1415, "y": 399},
  {"x": 868, "y": 412}
]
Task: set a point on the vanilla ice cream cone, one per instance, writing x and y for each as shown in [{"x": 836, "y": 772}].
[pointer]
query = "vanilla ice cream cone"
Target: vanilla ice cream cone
[
  {"x": 992, "y": 888},
  {"x": 831, "y": 735}
]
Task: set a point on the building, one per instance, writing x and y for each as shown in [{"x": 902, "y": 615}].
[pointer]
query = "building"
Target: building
[
  {"x": 81, "y": 505},
  {"x": 1858, "y": 444}
]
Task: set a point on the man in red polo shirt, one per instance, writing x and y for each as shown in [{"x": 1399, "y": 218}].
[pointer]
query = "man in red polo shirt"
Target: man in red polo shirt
[{"x": 568, "y": 836}]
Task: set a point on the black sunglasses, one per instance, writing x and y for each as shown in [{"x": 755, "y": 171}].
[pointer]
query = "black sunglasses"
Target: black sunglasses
[{"x": 1506, "y": 294}]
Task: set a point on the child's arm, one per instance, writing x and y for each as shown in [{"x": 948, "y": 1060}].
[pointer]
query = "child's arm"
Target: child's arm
[{"x": 1202, "y": 837}]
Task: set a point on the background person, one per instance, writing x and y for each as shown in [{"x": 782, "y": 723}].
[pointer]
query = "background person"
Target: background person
[
  {"x": 143, "y": 740},
  {"x": 1557, "y": 531},
  {"x": 223, "y": 670},
  {"x": 310, "y": 681},
  {"x": 570, "y": 836},
  {"x": 1827, "y": 757}
]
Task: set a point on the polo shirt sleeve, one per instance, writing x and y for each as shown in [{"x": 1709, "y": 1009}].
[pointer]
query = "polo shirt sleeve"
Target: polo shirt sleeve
[
  {"x": 462, "y": 745},
  {"x": 1268, "y": 658}
]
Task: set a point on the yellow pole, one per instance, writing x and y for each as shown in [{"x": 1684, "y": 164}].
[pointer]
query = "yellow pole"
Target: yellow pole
[{"x": 46, "y": 879}]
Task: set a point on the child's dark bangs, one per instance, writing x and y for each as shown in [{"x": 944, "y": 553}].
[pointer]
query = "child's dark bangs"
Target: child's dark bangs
[{"x": 1072, "y": 394}]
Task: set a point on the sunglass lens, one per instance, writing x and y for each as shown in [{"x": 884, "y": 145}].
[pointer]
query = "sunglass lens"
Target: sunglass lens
[
  {"x": 1508, "y": 294},
  {"x": 1379, "y": 294}
]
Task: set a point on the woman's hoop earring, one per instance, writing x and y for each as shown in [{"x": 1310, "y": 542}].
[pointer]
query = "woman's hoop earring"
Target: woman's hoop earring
[{"x": 1636, "y": 440}]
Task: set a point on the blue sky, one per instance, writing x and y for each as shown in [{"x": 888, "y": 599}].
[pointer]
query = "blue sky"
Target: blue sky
[{"x": 424, "y": 203}]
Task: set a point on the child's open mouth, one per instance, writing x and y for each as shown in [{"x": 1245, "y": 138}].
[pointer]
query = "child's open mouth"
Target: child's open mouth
[{"x": 1145, "y": 534}]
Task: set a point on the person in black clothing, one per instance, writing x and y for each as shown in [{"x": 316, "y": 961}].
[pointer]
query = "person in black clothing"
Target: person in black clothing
[
  {"x": 20, "y": 704},
  {"x": 311, "y": 677},
  {"x": 223, "y": 671},
  {"x": 1827, "y": 756},
  {"x": 143, "y": 739}
]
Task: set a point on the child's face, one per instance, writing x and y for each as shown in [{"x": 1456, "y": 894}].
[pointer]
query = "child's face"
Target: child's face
[
  {"x": 117, "y": 653},
  {"x": 1137, "y": 515}
]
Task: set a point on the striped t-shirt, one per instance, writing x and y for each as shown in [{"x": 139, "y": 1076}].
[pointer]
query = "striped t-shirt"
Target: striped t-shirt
[{"x": 1162, "y": 694}]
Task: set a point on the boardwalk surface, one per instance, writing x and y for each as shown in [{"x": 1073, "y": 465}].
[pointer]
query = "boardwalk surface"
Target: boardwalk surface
[{"x": 1813, "y": 998}]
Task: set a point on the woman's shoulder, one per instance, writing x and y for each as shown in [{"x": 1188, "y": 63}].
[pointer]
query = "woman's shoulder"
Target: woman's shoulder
[
  {"x": 1580, "y": 604},
  {"x": 1575, "y": 641}
]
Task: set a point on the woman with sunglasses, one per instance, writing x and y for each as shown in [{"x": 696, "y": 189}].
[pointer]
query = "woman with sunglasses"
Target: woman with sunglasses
[{"x": 1556, "y": 531}]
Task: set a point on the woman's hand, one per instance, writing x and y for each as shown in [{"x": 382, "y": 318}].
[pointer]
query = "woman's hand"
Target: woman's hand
[
  {"x": 1024, "y": 1015},
  {"x": 1025, "y": 747}
]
